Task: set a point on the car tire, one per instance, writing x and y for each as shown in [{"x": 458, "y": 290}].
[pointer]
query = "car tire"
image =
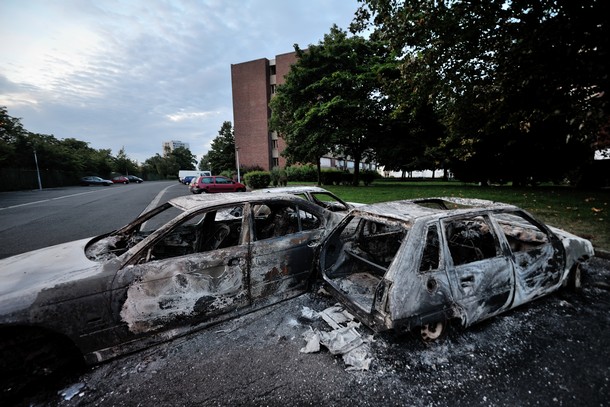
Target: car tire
[
  {"x": 31, "y": 359},
  {"x": 574, "y": 282},
  {"x": 433, "y": 331}
]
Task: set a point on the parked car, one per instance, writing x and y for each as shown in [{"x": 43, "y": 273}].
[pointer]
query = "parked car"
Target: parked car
[
  {"x": 91, "y": 180},
  {"x": 188, "y": 179},
  {"x": 421, "y": 265},
  {"x": 317, "y": 195},
  {"x": 120, "y": 180},
  {"x": 189, "y": 263},
  {"x": 133, "y": 178},
  {"x": 215, "y": 184}
]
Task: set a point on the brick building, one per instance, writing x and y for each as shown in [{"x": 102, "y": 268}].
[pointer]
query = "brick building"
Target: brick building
[{"x": 253, "y": 85}]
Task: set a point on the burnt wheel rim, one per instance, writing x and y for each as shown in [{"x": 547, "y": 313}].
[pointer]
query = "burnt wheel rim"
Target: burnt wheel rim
[{"x": 432, "y": 331}]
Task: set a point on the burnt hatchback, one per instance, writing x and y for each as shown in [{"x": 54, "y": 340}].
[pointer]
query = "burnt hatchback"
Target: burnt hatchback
[
  {"x": 189, "y": 263},
  {"x": 421, "y": 265}
]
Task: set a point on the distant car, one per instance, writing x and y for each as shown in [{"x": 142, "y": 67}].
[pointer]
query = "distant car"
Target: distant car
[
  {"x": 91, "y": 180},
  {"x": 420, "y": 265},
  {"x": 215, "y": 184},
  {"x": 120, "y": 180},
  {"x": 133, "y": 178},
  {"x": 184, "y": 265},
  {"x": 317, "y": 195},
  {"x": 188, "y": 179}
]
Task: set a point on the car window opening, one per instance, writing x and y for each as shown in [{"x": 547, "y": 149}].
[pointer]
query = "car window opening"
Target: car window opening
[
  {"x": 359, "y": 257},
  {"x": 470, "y": 240}
]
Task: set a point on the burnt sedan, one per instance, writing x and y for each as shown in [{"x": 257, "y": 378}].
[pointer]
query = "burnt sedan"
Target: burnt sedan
[
  {"x": 180, "y": 267},
  {"x": 422, "y": 265}
]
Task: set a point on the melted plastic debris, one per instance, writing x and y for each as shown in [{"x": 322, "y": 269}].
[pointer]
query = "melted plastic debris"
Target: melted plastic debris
[
  {"x": 343, "y": 340},
  {"x": 309, "y": 314},
  {"x": 69, "y": 392}
]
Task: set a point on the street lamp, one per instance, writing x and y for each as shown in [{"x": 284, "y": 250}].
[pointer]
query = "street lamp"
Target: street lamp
[
  {"x": 237, "y": 161},
  {"x": 37, "y": 171}
]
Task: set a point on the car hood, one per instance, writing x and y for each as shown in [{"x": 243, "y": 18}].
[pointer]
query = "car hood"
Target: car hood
[{"x": 23, "y": 276}]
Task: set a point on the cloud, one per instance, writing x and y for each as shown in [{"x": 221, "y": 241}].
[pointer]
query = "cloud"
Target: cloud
[{"x": 136, "y": 73}]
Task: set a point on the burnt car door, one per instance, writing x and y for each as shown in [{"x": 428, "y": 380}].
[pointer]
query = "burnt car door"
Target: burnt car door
[
  {"x": 537, "y": 253},
  {"x": 285, "y": 235},
  {"x": 190, "y": 271},
  {"x": 481, "y": 275}
]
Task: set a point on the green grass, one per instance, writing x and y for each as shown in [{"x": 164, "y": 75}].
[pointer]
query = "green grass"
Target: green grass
[{"x": 584, "y": 213}]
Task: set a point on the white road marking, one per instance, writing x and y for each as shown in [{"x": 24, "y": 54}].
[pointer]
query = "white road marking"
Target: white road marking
[{"x": 48, "y": 200}]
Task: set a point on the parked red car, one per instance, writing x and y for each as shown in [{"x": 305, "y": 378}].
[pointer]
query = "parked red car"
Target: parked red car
[
  {"x": 215, "y": 184},
  {"x": 120, "y": 180}
]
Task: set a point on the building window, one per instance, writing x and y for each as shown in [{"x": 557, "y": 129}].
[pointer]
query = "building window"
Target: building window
[
  {"x": 271, "y": 69},
  {"x": 273, "y": 89},
  {"x": 274, "y": 144},
  {"x": 276, "y": 162}
]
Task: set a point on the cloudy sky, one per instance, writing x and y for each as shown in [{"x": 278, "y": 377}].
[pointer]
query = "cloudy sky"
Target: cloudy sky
[{"x": 133, "y": 73}]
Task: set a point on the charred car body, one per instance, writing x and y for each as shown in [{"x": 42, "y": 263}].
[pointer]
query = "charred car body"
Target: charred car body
[
  {"x": 317, "y": 195},
  {"x": 191, "y": 262},
  {"x": 422, "y": 264}
]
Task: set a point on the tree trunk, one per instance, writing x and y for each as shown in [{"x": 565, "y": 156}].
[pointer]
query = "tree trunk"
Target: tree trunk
[
  {"x": 356, "y": 180},
  {"x": 319, "y": 167}
]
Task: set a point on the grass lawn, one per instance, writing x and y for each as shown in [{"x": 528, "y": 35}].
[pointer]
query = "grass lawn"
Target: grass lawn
[{"x": 584, "y": 213}]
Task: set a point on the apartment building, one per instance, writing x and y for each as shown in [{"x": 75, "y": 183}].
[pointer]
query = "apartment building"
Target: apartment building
[
  {"x": 253, "y": 86},
  {"x": 169, "y": 146}
]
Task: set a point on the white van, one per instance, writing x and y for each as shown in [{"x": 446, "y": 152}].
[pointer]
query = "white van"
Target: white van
[{"x": 191, "y": 173}]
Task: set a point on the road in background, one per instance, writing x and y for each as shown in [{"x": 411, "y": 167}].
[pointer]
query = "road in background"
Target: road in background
[{"x": 31, "y": 220}]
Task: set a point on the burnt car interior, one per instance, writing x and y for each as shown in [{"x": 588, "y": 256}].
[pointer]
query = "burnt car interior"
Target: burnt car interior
[
  {"x": 359, "y": 257},
  {"x": 203, "y": 232},
  {"x": 470, "y": 240}
]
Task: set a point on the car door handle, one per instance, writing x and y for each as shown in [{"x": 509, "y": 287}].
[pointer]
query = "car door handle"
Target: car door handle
[
  {"x": 467, "y": 281},
  {"x": 313, "y": 243}
]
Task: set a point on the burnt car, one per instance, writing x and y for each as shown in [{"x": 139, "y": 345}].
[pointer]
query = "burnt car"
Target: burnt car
[
  {"x": 424, "y": 265},
  {"x": 317, "y": 195},
  {"x": 190, "y": 262}
]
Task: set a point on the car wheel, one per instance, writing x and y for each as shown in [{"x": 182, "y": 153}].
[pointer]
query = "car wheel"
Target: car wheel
[
  {"x": 575, "y": 278},
  {"x": 433, "y": 331},
  {"x": 31, "y": 359}
]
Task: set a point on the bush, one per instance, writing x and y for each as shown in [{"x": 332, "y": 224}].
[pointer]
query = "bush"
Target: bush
[
  {"x": 302, "y": 173},
  {"x": 257, "y": 179},
  {"x": 279, "y": 177},
  {"x": 332, "y": 176},
  {"x": 368, "y": 176}
]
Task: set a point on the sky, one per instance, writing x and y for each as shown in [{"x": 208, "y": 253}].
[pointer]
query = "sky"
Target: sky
[{"x": 134, "y": 73}]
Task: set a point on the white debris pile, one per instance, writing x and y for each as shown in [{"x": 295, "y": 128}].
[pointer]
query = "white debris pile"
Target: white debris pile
[{"x": 344, "y": 339}]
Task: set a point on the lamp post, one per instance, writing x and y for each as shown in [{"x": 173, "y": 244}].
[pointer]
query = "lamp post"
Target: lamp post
[
  {"x": 37, "y": 171},
  {"x": 237, "y": 162}
]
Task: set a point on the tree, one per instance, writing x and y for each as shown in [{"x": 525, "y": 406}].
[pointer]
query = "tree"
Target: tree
[
  {"x": 221, "y": 156},
  {"x": 182, "y": 158},
  {"x": 123, "y": 164},
  {"x": 512, "y": 81},
  {"x": 331, "y": 100}
]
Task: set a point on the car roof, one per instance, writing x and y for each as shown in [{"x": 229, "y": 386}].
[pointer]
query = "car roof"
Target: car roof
[
  {"x": 413, "y": 209},
  {"x": 293, "y": 190},
  {"x": 194, "y": 202}
]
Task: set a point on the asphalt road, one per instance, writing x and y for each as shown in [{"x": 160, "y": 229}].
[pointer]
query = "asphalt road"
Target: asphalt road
[
  {"x": 551, "y": 352},
  {"x": 31, "y": 220}
]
